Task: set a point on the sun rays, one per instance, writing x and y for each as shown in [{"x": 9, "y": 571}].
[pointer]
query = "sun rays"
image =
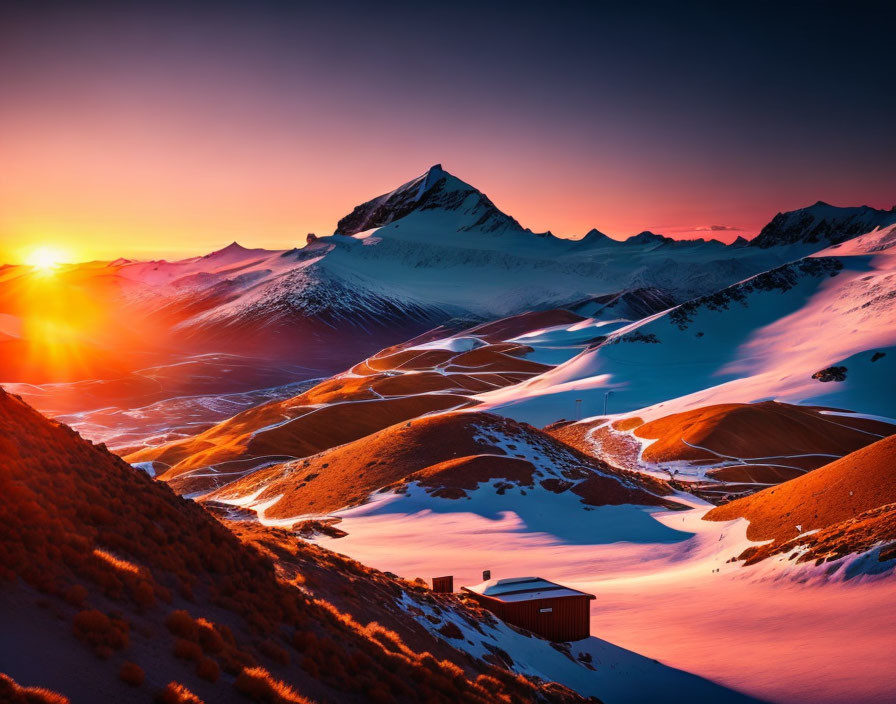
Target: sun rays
[{"x": 46, "y": 258}]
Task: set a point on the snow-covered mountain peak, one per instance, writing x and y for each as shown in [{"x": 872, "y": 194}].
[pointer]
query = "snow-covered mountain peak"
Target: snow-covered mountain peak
[
  {"x": 647, "y": 237},
  {"x": 233, "y": 248},
  {"x": 232, "y": 254},
  {"x": 435, "y": 172},
  {"x": 595, "y": 236},
  {"x": 822, "y": 223},
  {"x": 434, "y": 191}
]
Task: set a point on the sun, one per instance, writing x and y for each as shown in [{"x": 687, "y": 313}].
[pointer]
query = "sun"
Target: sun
[{"x": 45, "y": 258}]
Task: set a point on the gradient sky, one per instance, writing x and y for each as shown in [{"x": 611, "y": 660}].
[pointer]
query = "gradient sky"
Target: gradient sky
[{"x": 138, "y": 129}]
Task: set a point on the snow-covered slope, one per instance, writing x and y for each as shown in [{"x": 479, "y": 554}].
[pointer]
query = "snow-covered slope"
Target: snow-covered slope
[
  {"x": 665, "y": 586},
  {"x": 820, "y": 330}
]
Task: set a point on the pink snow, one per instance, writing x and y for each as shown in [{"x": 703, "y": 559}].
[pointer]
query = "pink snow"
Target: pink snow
[{"x": 775, "y": 631}]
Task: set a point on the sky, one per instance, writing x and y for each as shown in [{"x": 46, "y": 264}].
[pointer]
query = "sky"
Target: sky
[{"x": 164, "y": 129}]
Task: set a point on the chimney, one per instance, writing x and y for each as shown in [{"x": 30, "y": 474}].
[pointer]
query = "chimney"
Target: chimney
[{"x": 486, "y": 575}]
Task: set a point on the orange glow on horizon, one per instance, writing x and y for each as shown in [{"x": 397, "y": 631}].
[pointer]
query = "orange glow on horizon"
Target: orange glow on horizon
[{"x": 59, "y": 321}]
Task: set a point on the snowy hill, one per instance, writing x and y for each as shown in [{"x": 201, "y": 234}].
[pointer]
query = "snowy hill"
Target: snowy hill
[
  {"x": 784, "y": 334},
  {"x": 595, "y": 237},
  {"x": 726, "y": 450},
  {"x": 452, "y": 457},
  {"x": 847, "y": 506},
  {"x": 649, "y": 238}
]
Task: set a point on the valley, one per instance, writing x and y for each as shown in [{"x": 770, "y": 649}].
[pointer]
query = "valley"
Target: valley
[{"x": 698, "y": 434}]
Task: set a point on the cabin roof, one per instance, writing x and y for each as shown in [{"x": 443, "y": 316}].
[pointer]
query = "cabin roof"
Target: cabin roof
[{"x": 523, "y": 589}]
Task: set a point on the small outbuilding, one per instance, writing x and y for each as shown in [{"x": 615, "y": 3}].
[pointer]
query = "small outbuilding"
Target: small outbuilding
[
  {"x": 551, "y": 610},
  {"x": 443, "y": 585}
]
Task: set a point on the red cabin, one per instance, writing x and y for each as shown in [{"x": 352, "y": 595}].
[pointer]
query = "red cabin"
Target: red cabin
[{"x": 551, "y": 610}]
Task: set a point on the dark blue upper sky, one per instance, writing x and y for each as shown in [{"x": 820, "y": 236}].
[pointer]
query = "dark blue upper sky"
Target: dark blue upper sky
[{"x": 264, "y": 120}]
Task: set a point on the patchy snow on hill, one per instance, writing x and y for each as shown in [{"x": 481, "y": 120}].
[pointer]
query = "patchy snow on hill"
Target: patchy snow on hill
[
  {"x": 664, "y": 586},
  {"x": 452, "y": 344}
]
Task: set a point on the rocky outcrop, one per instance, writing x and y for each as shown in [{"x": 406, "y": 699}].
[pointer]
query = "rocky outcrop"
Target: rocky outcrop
[{"x": 783, "y": 278}]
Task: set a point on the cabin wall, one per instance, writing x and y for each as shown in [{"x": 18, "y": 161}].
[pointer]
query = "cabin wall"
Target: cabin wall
[
  {"x": 443, "y": 585},
  {"x": 569, "y": 617}
]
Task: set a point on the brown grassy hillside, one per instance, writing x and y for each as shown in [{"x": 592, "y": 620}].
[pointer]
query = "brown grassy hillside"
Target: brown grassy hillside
[
  {"x": 756, "y": 430},
  {"x": 849, "y": 502},
  {"x": 863, "y": 480},
  {"x": 449, "y": 454},
  {"x": 115, "y": 589},
  {"x": 746, "y": 445},
  {"x": 395, "y": 385}
]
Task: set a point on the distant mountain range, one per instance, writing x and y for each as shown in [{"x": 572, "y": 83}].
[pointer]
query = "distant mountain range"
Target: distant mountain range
[{"x": 433, "y": 249}]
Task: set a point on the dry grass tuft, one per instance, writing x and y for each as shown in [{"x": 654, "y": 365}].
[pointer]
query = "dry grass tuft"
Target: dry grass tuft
[
  {"x": 176, "y": 693},
  {"x": 12, "y": 693},
  {"x": 131, "y": 673},
  {"x": 102, "y": 633},
  {"x": 258, "y": 684},
  {"x": 208, "y": 669}
]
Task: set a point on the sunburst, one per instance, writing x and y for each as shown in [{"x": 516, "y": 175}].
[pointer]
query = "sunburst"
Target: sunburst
[{"x": 46, "y": 258}]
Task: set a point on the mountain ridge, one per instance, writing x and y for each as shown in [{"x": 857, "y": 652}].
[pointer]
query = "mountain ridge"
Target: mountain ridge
[
  {"x": 432, "y": 249},
  {"x": 822, "y": 223}
]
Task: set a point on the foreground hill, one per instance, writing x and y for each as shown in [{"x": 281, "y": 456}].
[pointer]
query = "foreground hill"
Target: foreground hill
[
  {"x": 846, "y": 506},
  {"x": 449, "y": 455},
  {"x": 113, "y": 587}
]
